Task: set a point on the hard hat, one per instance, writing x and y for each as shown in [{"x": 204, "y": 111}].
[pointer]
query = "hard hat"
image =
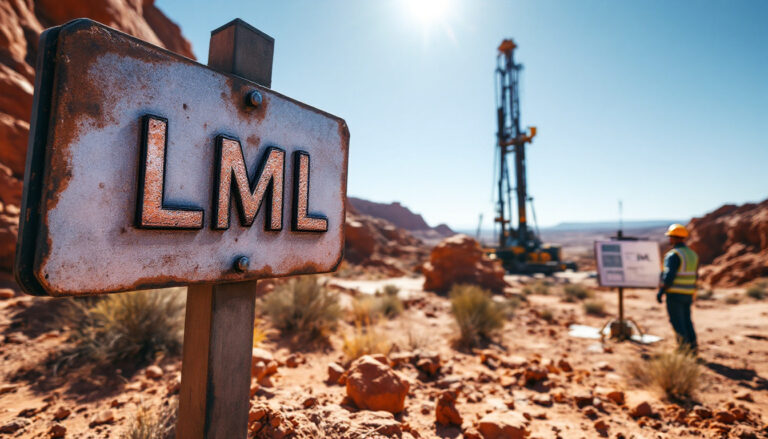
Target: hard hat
[{"x": 677, "y": 230}]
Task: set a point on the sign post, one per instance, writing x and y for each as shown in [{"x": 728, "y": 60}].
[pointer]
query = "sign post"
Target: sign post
[
  {"x": 148, "y": 170},
  {"x": 625, "y": 262}
]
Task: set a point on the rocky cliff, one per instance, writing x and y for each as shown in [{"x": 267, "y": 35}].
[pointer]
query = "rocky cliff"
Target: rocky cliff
[
  {"x": 732, "y": 243},
  {"x": 21, "y": 22}
]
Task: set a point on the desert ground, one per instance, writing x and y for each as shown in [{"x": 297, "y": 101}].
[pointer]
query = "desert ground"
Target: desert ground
[{"x": 532, "y": 371}]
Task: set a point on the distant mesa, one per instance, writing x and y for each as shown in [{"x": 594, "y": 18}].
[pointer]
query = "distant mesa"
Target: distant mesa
[{"x": 399, "y": 215}]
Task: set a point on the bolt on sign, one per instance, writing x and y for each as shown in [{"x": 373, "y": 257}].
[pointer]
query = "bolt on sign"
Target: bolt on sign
[{"x": 146, "y": 169}]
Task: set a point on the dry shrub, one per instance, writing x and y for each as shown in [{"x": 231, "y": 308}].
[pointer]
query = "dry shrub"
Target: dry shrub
[
  {"x": 547, "y": 314},
  {"x": 387, "y": 302},
  {"x": 365, "y": 340},
  {"x": 675, "y": 373},
  {"x": 131, "y": 326},
  {"x": 576, "y": 292},
  {"x": 758, "y": 290},
  {"x": 477, "y": 314},
  {"x": 708, "y": 294},
  {"x": 259, "y": 332},
  {"x": 539, "y": 286},
  {"x": 303, "y": 306},
  {"x": 594, "y": 307},
  {"x": 364, "y": 310},
  {"x": 152, "y": 424},
  {"x": 732, "y": 299}
]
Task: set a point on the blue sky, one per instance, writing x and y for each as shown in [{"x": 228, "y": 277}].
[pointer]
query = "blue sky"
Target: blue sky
[{"x": 663, "y": 104}]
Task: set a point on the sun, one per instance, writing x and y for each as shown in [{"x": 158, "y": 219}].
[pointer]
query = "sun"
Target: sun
[{"x": 428, "y": 12}]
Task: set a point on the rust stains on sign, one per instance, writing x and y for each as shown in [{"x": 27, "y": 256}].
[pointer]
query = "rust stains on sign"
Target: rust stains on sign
[
  {"x": 267, "y": 184},
  {"x": 151, "y": 211},
  {"x": 303, "y": 221}
]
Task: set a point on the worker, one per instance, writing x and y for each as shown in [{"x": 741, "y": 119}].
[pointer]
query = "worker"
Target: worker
[{"x": 679, "y": 284}]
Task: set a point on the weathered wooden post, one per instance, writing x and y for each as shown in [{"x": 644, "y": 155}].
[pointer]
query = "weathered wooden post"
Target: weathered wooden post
[
  {"x": 218, "y": 328},
  {"x": 138, "y": 161}
]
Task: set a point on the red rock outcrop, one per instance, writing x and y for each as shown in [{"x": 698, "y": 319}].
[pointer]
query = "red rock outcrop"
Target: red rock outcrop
[
  {"x": 373, "y": 385},
  {"x": 21, "y": 22},
  {"x": 399, "y": 215},
  {"x": 732, "y": 243},
  {"x": 460, "y": 260},
  {"x": 377, "y": 245}
]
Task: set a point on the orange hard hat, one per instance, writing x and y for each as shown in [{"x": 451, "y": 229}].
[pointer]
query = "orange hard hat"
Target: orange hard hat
[{"x": 677, "y": 230}]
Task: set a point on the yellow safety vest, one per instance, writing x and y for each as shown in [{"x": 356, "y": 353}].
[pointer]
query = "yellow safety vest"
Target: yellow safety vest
[{"x": 685, "y": 279}]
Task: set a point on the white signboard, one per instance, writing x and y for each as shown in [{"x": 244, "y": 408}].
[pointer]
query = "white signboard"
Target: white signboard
[{"x": 634, "y": 264}]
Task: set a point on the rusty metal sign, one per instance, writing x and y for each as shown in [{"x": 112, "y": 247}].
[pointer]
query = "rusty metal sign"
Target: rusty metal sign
[{"x": 146, "y": 169}]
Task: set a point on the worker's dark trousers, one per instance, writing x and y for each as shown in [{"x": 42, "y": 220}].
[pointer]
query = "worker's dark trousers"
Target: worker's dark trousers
[{"x": 679, "y": 309}]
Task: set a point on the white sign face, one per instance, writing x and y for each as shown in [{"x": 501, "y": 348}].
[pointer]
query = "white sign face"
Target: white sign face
[
  {"x": 633, "y": 264},
  {"x": 153, "y": 170}
]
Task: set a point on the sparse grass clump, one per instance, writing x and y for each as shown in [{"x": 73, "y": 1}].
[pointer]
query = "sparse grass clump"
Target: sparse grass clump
[
  {"x": 365, "y": 340},
  {"x": 131, "y": 326},
  {"x": 594, "y": 307},
  {"x": 387, "y": 302},
  {"x": 576, "y": 292},
  {"x": 477, "y": 314},
  {"x": 364, "y": 310},
  {"x": 674, "y": 373},
  {"x": 152, "y": 424},
  {"x": 758, "y": 290},
  {"x": 539, "y": 286},
  {"x": 547, "y": 314},
  {"x": 708, "y": 294},
  {"x": 303, "y": 306},
  {"x": 732, "y": 299}
]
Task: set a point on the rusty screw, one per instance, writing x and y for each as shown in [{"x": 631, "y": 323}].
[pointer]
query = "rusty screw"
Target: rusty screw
[
  {"x": 254, "y": 98},
  {"x": 241, "y": 264}
]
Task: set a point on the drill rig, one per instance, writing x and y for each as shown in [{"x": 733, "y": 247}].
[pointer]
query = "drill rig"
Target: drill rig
[{"x": 520, "y": 249}]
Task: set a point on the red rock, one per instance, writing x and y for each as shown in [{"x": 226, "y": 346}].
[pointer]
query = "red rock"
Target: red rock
[
  {"x": 445, "y": 410},
  {"x": 508, "y": 425},
  {"x": 7, "y": 293},
  {"x": 744, "y": 395},
  {"x": 616, "y": 396},
  {"x": 460, "y": 260},
  {"x": 601, "y": 426},
  {"x": 372, "y": 385},
  {"x": 543, "y": 399},
  {"x": 334, "y": 373},
  {"x": 104, "y": 417},
  {"x": 732, "y": 244},
  {"x": 725, "y": 417},
  {"x": 641, "y": 410},
  {"x": 583, "y": 398},
  {"x": 533, "y": 375},
  {"x": 428, "y": 363},
  {"x": 57, "y": 431},
  {"x": 153, "y": 372},
  {"x": 61, "y": 413},
  {"x": 21, "y": 23},
  {"x": 14, "y": 425}
]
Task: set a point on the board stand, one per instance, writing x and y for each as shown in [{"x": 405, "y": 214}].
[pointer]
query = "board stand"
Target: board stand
[
  {"x": 621, "y": 329},
  {"x": 218, "y": 326}
]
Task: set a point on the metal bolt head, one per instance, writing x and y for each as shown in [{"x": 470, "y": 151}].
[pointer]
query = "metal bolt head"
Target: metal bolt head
[
  {"x": 254, "y": 98},
  {"x": 241, "y": 264}
]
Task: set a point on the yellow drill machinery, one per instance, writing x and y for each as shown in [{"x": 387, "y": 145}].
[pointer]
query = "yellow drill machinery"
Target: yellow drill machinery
[{"x": 519, "y": 248}]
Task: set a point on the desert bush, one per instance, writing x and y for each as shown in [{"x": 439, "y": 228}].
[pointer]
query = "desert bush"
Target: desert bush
[
  {"x": 387, "y": 302},
  {"x": 758, "y": 291},
  {"x": 152, "y": 424},
  {"x": 364, "y": 310},
  {"x": 576, "y": 292},
  {"x": 477, "y": 314},
  {"x": 732, "y": 299},
  {"x": 303, "y": 306},
  {"x": 547, "y": 314},
  {"x": 594, "y": 307},
  {"x": 675, "y": 373},
  {"x": 365, "y": 340},
  {"x": 539, "y": 286},
  {"x": 129, "y": 326},
  {"x": 708, "y": 294}
]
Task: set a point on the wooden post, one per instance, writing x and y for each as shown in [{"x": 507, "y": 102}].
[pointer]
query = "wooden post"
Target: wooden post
[{"x": 218, "y": 326}]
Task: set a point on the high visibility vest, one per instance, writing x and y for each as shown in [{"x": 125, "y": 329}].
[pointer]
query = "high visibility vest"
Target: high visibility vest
[{"x": 685, "y": 280}]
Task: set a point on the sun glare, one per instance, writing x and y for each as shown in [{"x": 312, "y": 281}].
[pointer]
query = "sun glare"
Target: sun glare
[{"x": 428, "y": 12}]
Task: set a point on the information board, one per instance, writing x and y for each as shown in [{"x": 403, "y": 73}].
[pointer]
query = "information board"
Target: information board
[{"x": 633, "y": 264}]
